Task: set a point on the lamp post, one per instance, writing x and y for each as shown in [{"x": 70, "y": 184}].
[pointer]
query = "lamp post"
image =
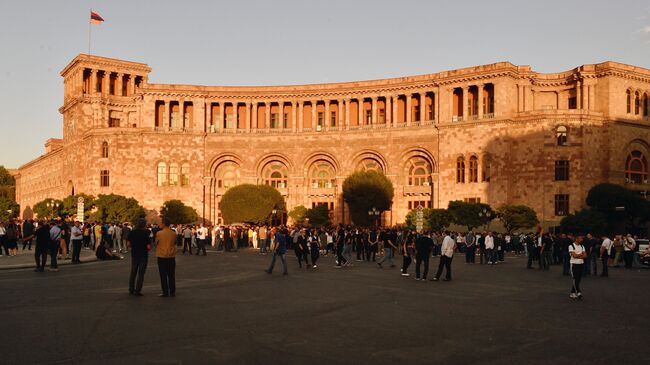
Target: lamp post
[
  {"x": 487, "y": 214},
  {"x": 273, "y": 213},
  {"x": 52, "y": 205},
  {"x": 374, "y": 214}
]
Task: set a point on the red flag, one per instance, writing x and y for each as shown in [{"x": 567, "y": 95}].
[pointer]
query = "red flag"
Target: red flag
[{"x": 95, "y": 18}]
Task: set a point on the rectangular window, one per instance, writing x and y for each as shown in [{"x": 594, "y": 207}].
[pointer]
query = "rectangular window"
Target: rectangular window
[
  {"x": 321, "y": 117},
  {"x": 333, "y": 119},
  {"x": 562, "y": 170},
  {"x": 430, "y": 112},
  {"x": 230, "y": 121},
  {"x": 415, "y": 203},
  {"x": 113, "y": 122},
  {"x": 472, "y": 200},
  {"x": 285, "y": 120},
  {"x": 368, "y": 116},
  {"x": 274, "y": 120},
  {"x": 573, "y": 102},
  {"x": 381, "y": 116},
  {"x": 104, "y": 178},
  {"x": 561, "y": 205}
]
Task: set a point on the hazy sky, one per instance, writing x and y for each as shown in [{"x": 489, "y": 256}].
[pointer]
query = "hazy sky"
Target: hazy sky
[{"x": 269, "y": 42}]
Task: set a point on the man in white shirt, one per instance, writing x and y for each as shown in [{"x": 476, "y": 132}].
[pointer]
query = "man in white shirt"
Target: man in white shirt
[
  {"x": 446, "y": 255},
  {"x": 605, "y": 253},
  {"x": 629, "y": 244},
  {"x": 201, "y": 236},
  {"x": 577, "y": 253},
  {"x": 489, "y": 247}
]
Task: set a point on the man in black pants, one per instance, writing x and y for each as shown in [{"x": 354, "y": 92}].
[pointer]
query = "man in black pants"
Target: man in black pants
[
  {"x": 423, "y": 246},
  {"x": 446, "y": 255},
  {"x": 28, "y": 234},
  {"x": 166, "y": 254},
  {"x": 42, "y": 243},
  {"x": 140, "y": 245}
]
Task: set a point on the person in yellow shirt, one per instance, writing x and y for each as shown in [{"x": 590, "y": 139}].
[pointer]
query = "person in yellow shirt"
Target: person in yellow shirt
[{"x": 166, "y": 254}]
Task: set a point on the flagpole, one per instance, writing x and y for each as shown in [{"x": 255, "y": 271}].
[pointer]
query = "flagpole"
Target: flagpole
[{"x": 89, "y": 30}]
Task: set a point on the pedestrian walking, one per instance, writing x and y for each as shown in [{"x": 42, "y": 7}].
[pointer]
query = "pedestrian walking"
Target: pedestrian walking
[
  {"x": 76, "y": 237},
  {"x": 606, "y": 249},
  {"x": 279, "y": 249}
]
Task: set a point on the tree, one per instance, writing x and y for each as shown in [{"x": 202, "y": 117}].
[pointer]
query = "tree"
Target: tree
[
  {"x": 619, "y": 205},
  {"x": 470, "y": 215},
  {"x": 178, "y": 213},
  {"x": 318, "y": 216},
  {"x": 585, "y": 221},
  {"x": 248, "y": 203},
  {"x": 297, "y": 214},
  {"x": 42, "y": 210},
  {"x": 118, "y": 208},
  {"x": 7, "y": 184},
  {"x": 516, "y": 217},
  {"x": 70, "y": 205},
  {"x": 364, "y": 190},
  {"x": 9, "y": 209},
  {"x": 433, "y": 219}
]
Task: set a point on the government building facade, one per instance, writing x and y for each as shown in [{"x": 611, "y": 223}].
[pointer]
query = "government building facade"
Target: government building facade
[{"x": 496, "y": 134}]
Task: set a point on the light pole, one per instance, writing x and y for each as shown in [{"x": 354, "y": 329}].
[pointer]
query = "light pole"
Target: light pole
[
  {"x": 374, "y": 214},
  {"x": 273, "y": 213},
  {"x": 487, "y": 214},
  {"x": 52, "y": 205}
]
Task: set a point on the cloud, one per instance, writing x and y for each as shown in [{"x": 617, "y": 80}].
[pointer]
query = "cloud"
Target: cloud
[{"x": 645, "y": 30}]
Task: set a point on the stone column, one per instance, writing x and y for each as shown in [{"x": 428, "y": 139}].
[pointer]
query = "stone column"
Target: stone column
[
  {"x": 585, "y": 95},
  {"x": 592, "y": 97},
  {"x": 314, "y": 116},
  {"x": 248, "y": 116},
  {"x": 340, "y": 114},
  {"x": 105, "y": 81},
  {"x": 208, "y": 117},
  {"x": 408, "y": 109},
  {"x": 480, "y": 100},
  {"x": 388, "y": 113},
  {"x": 578, "y": 95},
  {"x": 181, "y": 114},
  {"x": 326, "y": 120},
  {"x": 347, "y": 114},
  {"x": 294, "y": 113},
  {"x": 131, "y": 87},
  {"x": 222, "y": 113},
  {"x": 423, "y": 107},
  {"x": 360, "y": 115},
  {"x": 254, "y": 117},
  {"x": 467, "y": 103},
  {"x": 166, "y": 122},
  {"x": 118, "y": 85},
  {"x": 395, "y": 109},
  {"x": 301, "y": 114},
  {"x": 373, "y": 118},
  {"x": 281, "y": 115},
  {"x": 267, "y": 117}
]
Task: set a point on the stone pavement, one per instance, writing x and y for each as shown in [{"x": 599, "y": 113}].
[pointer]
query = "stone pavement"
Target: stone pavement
[
  {"x": 25, "y": 259},
  {"x": 228, "y": 311}
]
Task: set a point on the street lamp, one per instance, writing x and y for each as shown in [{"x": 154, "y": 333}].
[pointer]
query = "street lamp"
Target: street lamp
[
  {"x": 273, "y": 213},
  {"x": 52, "y": 205},
  {"x": 487, "y": 214},
  {"x": 374, "y": 214}
]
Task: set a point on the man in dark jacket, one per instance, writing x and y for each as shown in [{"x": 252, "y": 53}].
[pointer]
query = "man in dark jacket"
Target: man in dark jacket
[
  {"x": 42, "y": 235},
  {"x": 423, "y": 246}
]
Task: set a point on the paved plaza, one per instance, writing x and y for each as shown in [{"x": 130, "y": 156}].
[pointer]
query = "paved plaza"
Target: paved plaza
[{"x": 228, "y": 311}]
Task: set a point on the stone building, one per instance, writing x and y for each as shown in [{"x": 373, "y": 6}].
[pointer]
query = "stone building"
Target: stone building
[{"x": 498, "y": 134}]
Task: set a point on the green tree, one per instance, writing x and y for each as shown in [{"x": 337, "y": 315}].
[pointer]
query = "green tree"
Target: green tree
[
  {"x": 318, "y": 216},
  {"x": 297, "y": 214},
  {"x": 178, "y": 213},
  {"x": 6, "y": 179},
  {"x": 364, "y": 190},
  {"x": 42, "y": 210},
  {"x": 118, "y": 208},
  {"x": 439, "y": 219},
  {"x": 9, "y": 209},
  {"x": 621, "y": 207},
  {"x": 516, "y": 217},
  {"x": 248, "y": 203},
  {"x": 470, "y": 215},
  {"x": 70, "y": 205},
  {"x": 585, "y": 221}
]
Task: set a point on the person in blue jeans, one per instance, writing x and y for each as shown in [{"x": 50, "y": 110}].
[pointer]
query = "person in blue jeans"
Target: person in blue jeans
[{"x": 280, "y": 249}]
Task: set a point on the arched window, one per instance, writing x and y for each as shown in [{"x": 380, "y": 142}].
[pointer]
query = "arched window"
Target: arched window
[
  {"x": 628, "y": 96},
  {"x": 645, "y": 104},
  {"x": 185, "y": 174},
  {"x": 473, "y": 169},
  {"x": 487, "y": 166},
  {"x": 173, "y": 174},
  {"x": 636, "y": 168},
  {"x": 460, "y": 170},
  {"x": 275, "y": 174},
  {"x": 368, "y": 164},
  {"x": 322, "y": 175},
  {"x": 162, "y": 174},
  {"x": 419, "y": 172},
  {"x": 104, "y": 149},
  {"x": 561, "y": 134},
  {"x": 227, "y": 175},
  {"x": 637, "y": 103}
]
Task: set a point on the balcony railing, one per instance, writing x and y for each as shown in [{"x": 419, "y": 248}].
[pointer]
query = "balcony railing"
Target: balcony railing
[{"x": 417, "y": 190}]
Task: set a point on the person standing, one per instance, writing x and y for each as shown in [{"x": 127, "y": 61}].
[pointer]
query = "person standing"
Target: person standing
[
  {"x": 187, "y": 240},
  {"x": 470, "y": 252},
  {"x": 201, "y": 236},
  {"x": 629, "y": 244},
  {"x": 423, "y": 246},
  {"x": 42, "y": 245},
  {"x": 28, "y": 234},
  {"x": 389, "y": 246},
  {"x": 300, "y": 248},
  {"x": 55, "y": 241},
  {"x": 578, "y": 253},
  {"x": 139, "y": 243},
  {"x": 263, "y": 241},
  {"x": 489, "y": 248},
  {"x": 606, "y": 249},
  {"x": 408, "y": 249},
  {"x": 76, "y": 237},
  {"x": 446, "y": 255},
  {"x": 545, "y": 253},
  {"x": 166, "y": 255},
  {"x": 279, "y": 248},
  {"x": 314, "y": 247},
  {"x": 481, "y": 248}
]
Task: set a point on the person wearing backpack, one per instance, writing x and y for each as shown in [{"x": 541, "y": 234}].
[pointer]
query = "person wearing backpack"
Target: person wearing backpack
[{"x": 577, "y": 253}]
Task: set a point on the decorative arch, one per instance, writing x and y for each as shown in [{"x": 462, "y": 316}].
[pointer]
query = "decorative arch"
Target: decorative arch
[
  {"x": 219, "y": 159},
  {"x": 275, "y": 173},
  {"x": 418, "y": 152},
  {"x": 473, "y": 169},
  {"x": 637, "y": 102},
  {"x": 460, "y": 169},
  {"x": 628, "y": 100},
  {"x": 562, "y": 135},
  {"x": 161, "y": 173},
  {"x": 644, "y": 105},
  {"x": 369, "y": 160},
  {"x": 322, "y": 174},
  {"x": 321, "y": 155},
  {"x": 274, "y": 156},
  {"x": 104, "y": 149},
  {"x": 227, "y": 174},
  {"x": 185, "y": 173},
  {"x": 636, "y": 168}
]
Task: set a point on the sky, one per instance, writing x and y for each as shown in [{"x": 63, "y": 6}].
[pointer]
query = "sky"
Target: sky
[{"x": 281, "y": 42}]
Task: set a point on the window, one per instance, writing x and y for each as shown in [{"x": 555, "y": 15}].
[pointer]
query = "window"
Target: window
[
  {"x": 430, "y": 112},
  {"x": 322, "y": 175},
  {"x": 636, "y": 168},
  {"x": 562, "y": 170},
  {"x": 185, "y": 174},
  {"x": 162, "y": 174},
  {"x": 274, "y": 120},
  {"x": 414, "y": 204},
  {"x": 230, "y": 121},
  {"x": 285, "y": 120},
  {"x": 321, "y": 117},
  {"x": 175, "y": 117},
  {"x": 333, "y": 119},
  {"x": 173, "y": 174},
  {"x": 636, "y": 103},
  {"x": 487, "y": 168},
  {"x": 460, "y": 170},
  {"x": 381, "y": 116},
  {"x": 368, "y": 117},
  {"x": 561, "y": 136},
  {"x": 416, "y": 113},
  {"x": 472, "y": 200},
  {"x": 645, "y": 104},
  {"x": 368, "y": 164},
  {"x": 227, "y": 174},
  {"x": 573, "y": 102},
  {"x": 104, "y": 178},
  {"x": 104, "y": 149},
  {"x": 473, "y": 169},
  {"x": 628, "y": 95},
  {"x": 275, "y": 175},
  {"x": 113, "y": 122},
  {"x": 419, "y": 172},
  {"x": 561, "y": 205}
]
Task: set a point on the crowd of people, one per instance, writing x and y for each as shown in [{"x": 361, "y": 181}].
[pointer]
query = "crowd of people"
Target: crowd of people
[{"x": 60, "y": 240}]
